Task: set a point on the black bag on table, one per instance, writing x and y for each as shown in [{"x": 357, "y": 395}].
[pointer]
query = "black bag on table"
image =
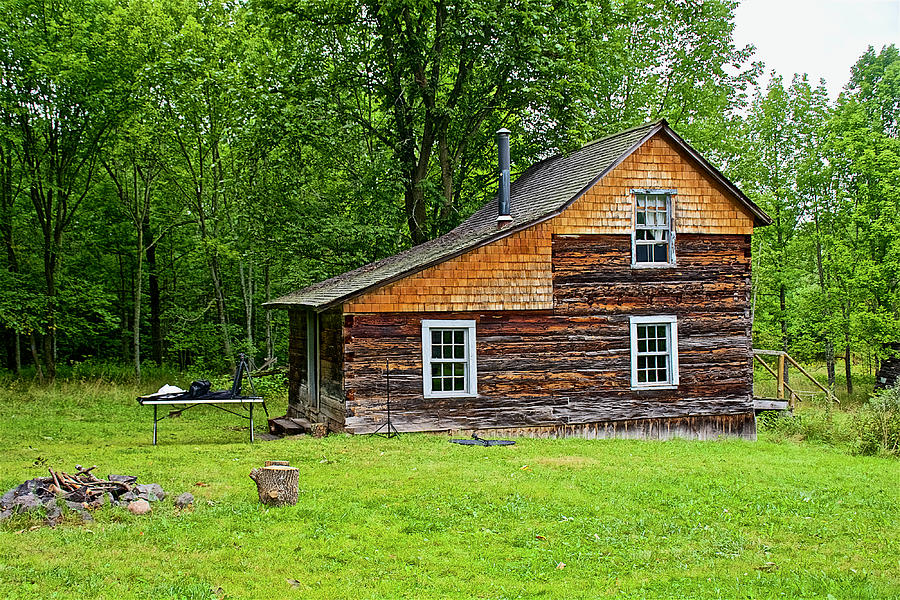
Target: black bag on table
[{"x": 199, "y": 389}]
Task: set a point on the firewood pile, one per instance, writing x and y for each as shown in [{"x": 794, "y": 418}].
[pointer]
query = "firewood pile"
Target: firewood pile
[{"x": 80, "y": 492}]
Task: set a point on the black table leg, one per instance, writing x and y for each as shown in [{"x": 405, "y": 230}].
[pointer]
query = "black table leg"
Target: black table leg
[
  {"x": 154, "y": 424},
  {"x": 251, "y": 422}
]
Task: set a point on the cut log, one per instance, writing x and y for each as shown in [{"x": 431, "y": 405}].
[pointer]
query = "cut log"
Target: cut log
[{"x": 277, "y": 485}]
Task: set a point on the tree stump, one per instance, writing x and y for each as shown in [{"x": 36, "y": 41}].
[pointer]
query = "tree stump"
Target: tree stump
[{"x": 277, "y": 485}]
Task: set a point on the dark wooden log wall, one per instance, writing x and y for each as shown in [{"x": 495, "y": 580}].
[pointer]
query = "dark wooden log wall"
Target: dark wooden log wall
[
  {"x": 888, "y": 373},
  {"x": 570, "y": 366}
]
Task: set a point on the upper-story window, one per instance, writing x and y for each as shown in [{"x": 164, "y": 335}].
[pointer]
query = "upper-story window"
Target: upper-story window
[
  {"x": 653, "y": 237},
  {"x": 448, "y": 358}
]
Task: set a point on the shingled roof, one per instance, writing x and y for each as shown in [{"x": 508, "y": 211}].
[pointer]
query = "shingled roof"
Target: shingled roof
[{"x": 543, "y": 191}]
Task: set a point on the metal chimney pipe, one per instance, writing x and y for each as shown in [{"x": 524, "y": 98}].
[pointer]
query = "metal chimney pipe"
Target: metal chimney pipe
[{"x": 503, "y": 216}]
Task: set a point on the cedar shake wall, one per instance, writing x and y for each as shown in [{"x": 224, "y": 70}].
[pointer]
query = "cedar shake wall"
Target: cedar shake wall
[
  {"x": 562, "y": 369},
  {"x": 513, "y": 273},
  {"x": 701, "y": 205}
]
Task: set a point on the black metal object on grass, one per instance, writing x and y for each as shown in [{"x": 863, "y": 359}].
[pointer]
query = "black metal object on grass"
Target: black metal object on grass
[{"x": 477, "y": 441}]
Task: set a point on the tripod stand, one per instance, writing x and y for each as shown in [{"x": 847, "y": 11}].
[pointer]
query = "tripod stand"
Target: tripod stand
[{"x": 390, "y": 430}]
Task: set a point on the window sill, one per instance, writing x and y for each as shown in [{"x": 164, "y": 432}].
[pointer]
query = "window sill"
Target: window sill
[
  {"x": 653, "y": 388},
  {"x": 653, "y": 265},
  {"x": 442, "y": 396}
]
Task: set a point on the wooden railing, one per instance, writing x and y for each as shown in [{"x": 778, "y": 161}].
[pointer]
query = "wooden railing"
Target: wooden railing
[{"x": 782, "y": 386}]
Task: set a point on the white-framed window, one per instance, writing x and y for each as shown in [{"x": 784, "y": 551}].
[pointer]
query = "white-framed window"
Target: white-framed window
[
  {"x": 654, "y": 352},
  {"x": 448, "y": 358},
  {"x": 653, "y": 238}
]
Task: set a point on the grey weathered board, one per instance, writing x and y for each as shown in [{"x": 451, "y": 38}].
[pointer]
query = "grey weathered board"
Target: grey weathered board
[{"x": 760, "y": 404}]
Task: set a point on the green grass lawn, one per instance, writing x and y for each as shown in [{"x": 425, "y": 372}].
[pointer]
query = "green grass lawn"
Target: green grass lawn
[{"x": 418, "y": 517}]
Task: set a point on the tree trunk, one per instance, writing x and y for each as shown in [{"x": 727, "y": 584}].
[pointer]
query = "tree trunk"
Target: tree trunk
[
  {"x": 782, "y": 296},
  {"x": 270, "y": 347},
  {"x": 18, "y": 353},
  {"x": 823, "y": 285},
  {"x": 247, "y": 292},
  {"x": 220, "y": 304},
  {"x": 416, "y": 217},
  {"x": 847, "y": 368},
  {"x": 39, "y": 372},
  {"x": 829, "y": 363},
  {"x": 139, "y": 280},
  {"x": 153, "y": 289},
  {"x": 277, "y": 485}
]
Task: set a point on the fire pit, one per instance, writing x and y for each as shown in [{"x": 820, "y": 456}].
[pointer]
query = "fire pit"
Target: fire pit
[{"x": 81, "y": 492}]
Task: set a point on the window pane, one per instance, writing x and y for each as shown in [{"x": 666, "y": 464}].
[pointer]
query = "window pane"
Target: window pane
[
  {"x": 435, "y": 337},
  {"x": 436, "y": 351},
  {"x": 661, "y": 253},
  {"x": 459, "y": 351},
  {"x": 458, "y": 337},
  {"x": 436, "y": 384},
  {"x": 459, "y": 369},
  {"x": 641, "y": 218},
  {"x": 459, "y": 384},
  {"x": 643, "y": 253},
  {"x": 448, "y": 337},
  {"x": 642, "y": 345}
]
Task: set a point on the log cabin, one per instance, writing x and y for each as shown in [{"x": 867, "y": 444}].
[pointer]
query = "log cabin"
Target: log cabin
[{"x": 604, "y": 293}]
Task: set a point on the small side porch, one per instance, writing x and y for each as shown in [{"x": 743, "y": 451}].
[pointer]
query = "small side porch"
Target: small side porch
[{"x": 785, "y": 397}]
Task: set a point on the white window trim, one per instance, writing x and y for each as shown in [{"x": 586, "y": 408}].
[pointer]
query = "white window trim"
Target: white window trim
[
  {"x": 670, "y": 206},
  {"x": 672, "y": 321},
  {"x": 472, "y": 360}
]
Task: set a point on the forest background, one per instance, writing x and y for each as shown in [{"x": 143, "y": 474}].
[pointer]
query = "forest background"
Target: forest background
[{"x": 167, "y": 167}]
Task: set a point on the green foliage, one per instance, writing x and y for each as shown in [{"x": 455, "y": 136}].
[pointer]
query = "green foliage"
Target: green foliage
[
  {"x": 166, "y": 168},
  {"x": 825, "y": 273},
  {"x": 214, "y": 155},
  {"x": 878, "y": 424}
]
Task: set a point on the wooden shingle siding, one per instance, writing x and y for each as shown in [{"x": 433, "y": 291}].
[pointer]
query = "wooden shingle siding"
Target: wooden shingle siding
[
  {"x": 513, "y": 273},
  {"x": 570, "y": 366},
  {"x": 701, "y": 205}
]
